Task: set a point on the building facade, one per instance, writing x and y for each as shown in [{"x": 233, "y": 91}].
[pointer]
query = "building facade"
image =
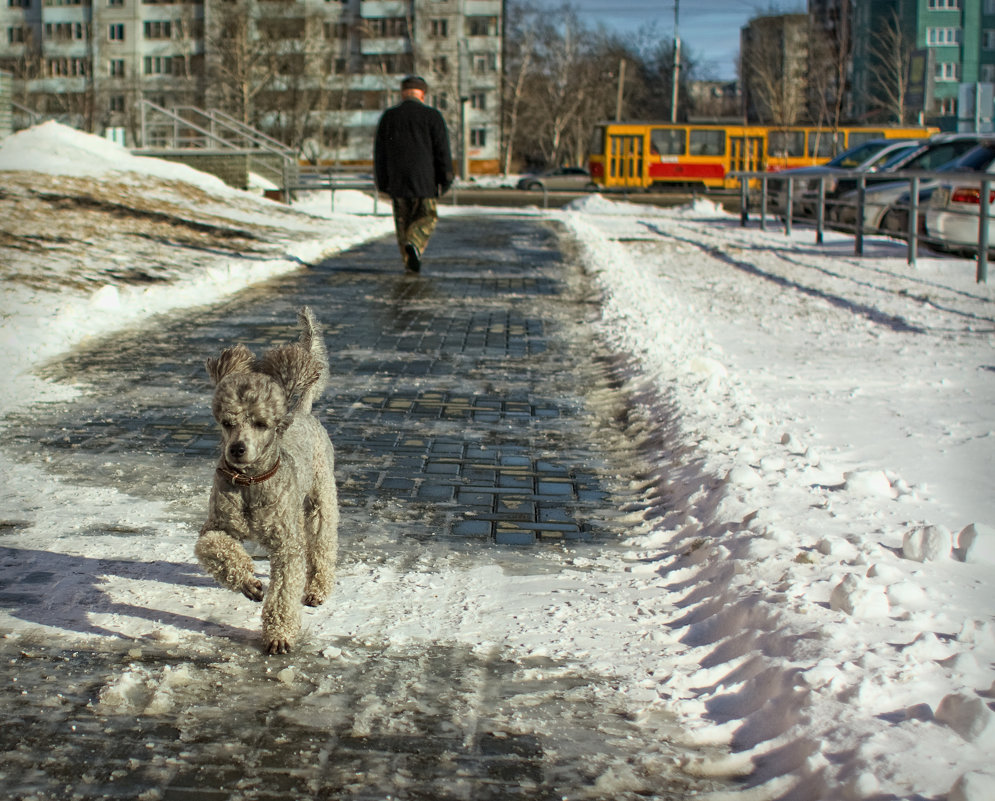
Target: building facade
[
  {"x": 953, "y": 39},
  {"x": 315, "y": 74},
  {"x": 774, "y": 54}
]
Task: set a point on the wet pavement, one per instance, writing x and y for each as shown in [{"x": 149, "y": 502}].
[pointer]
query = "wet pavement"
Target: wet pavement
[{"x": 459, "y": 408}]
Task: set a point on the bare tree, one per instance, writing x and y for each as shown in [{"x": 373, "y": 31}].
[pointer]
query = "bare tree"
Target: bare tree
[
  {"x": 831, "y": 50},
  {"x": 773, "y": 69},
  {"x": 890, "y": 56}
]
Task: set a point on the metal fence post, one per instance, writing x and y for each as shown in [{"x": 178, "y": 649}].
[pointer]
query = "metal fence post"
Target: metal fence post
[
  {"x": 820, "y": 210},
  {"x": 983, "y": 213},
  {"x": 858, "y": 242},
  {"x": 913, "y": 220},
  {"x": 744, "y": 201},
  {"x": 763, "y": 203},
  {"x": 790, "y": 207}
]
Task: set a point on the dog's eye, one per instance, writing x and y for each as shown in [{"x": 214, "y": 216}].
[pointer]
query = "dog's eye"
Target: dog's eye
[
  {"x": 227, "y": 424},
  {"x": 262, "y": 425}
]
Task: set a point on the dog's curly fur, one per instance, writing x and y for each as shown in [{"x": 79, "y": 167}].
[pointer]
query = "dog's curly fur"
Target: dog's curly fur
[{"x": 263, "y": 407}]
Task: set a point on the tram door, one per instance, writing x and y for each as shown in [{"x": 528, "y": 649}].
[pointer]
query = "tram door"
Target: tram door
[
  {"x": 625, "y": 160},
  {"x": 746, "y": 154}
]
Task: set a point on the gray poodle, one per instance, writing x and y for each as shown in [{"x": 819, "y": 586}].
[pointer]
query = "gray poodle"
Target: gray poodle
[{"x": 275, "y": 483}]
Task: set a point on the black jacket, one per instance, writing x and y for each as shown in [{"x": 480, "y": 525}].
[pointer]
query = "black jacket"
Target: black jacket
[{"x": 411, "y": 156}]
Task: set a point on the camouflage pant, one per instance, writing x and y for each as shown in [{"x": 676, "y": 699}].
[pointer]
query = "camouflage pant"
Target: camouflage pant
[{"x": 414, "y": 221}]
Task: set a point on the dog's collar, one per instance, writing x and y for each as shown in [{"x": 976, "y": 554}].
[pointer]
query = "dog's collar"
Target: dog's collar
[{"x": 242, "y": 480}]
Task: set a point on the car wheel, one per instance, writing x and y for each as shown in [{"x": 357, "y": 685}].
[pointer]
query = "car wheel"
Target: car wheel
[
  {"x": 895, "y": 223},
  {"x": 535, "y": 186},
  {"x": 591, "y": 187}
]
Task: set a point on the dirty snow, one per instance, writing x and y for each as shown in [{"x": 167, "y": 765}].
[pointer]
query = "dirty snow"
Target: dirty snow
[{"x": 810, "y": 580}]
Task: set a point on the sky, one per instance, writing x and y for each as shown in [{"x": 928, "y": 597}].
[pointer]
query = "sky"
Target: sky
[
  {"x": 709, "y": 29},
  {"x": 802, "y": 588}
]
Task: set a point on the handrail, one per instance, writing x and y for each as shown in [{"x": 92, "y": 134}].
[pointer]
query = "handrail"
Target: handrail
[{"x": 912, "y": 177}]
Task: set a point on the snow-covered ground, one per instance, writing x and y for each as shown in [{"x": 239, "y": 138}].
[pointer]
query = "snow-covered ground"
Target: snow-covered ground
[{"x": 811, "y": 582}]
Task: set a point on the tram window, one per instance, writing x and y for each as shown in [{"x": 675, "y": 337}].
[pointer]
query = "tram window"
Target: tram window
[
  {"x": 667, "y": 141},
  {"x": 598, "y": 141},
  {"x": 822, "y": 144},
  {"x": 708, "y": 143},
  {"x": 859, "y": 137},
  {"x": 786, "y": 144}
]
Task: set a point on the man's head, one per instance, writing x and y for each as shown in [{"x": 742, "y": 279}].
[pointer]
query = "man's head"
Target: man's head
[{"x": 414, "y": 86}]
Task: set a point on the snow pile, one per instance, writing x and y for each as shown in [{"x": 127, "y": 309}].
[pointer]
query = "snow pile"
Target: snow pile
[
  {"x": 805, "y": 589},
  {"x": 808, "y": 582}
]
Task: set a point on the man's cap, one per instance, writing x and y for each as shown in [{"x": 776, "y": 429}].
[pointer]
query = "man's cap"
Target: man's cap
[{"x": 414, "y": 82}]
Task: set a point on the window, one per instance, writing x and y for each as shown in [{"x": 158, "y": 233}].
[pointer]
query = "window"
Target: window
[
  {"x": 438, "y": 28},
  {"x": 164, "y": 65},
  {"x": 785, "y": 144},
  {"x": 948, "y": 71},
  {"x": 481, "y": 26},
  {"x": 441, "y": 101},
  {"x": 115, "y": 3},
  {"x": 707, "y": 143},
  {"x": 987, "y": 73},
  {"x": 988, "y": 39},
  {"x": 116, "y": 103},
  {"x": 990, "y": 6},
  {"x": 66, "y": 67},
  {"x": 336, "y": 30},
  {"x": 387, "y": 27},
  {"x": 115, "y": 32},
  {"x": 15, "y": 35},
  {"x": 667, "y": 141},
  {"x": 478, "y": 100},
  {"x": 116, "y": 67},
  {"x": 948, "y": 106},
  {"x": 942, "y": 5},
  {"x": 158, "y": 29},
  {"x": 19, "y": 3},
  {"x": 478, "y": 137},
  {"x": 440, "y": 64},
  {"x": 484, "y": 63},
  {"x": 943, "y": 36},
  {"x": 64, "y": 31}
]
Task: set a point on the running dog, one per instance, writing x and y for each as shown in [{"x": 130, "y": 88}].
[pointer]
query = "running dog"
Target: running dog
[{"x": 275, "y": 482}]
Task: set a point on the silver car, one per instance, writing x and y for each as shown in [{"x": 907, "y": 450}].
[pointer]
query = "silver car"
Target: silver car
[
  {"x": 879, "y": 197},
  {"x": 867, "y": 157},
  {"x": 952, "y": 214},
  {"x": 575, "y": 179}
]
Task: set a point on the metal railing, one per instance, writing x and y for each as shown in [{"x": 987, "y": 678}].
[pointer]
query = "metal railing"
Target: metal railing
[
  {"x": 189, "y": 127},
  {"x": 822, "y": 209}
]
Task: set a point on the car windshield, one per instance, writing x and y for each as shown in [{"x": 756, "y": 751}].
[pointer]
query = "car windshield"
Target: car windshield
[
  {"x": 977, "y": 159},
  {"x": 856, "y": 156}
]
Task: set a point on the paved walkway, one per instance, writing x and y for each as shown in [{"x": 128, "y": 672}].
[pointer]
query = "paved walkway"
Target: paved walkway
[{"x": 457, "y": 408}]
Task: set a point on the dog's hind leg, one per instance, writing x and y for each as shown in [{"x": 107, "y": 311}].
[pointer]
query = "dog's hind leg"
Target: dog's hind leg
[
  {"x": 321, "y": 527},
  {"x": 224, "y": 558},
  {"x": 282, "y": 607}
]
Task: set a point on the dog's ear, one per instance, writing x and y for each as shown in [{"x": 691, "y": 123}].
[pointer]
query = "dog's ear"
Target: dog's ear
[
  {"x": 238, "y": 359},
  {"x": 293, "y": 368}
]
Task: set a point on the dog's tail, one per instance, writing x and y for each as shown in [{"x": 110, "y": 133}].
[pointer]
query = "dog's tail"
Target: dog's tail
[{"x": 314, "y": 343}]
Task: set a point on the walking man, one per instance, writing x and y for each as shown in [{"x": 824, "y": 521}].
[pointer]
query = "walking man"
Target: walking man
[{"x": 412, "y": 163}]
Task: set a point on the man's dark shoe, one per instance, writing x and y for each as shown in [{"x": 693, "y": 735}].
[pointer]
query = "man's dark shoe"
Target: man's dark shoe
[{"x": 412, "y": 260}]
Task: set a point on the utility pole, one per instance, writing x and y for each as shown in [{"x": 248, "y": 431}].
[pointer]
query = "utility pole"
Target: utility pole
[
  {"x": 677, "y": 62},
  {"x": 621, "y": 84}
]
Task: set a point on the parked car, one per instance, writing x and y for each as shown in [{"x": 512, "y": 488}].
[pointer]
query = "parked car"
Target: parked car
[
  {"x": 868, "y": 157},
  {"x": 882, "y": 191},
  {"x": 895, "y": 220},
  {"x": 952, "y": 215},
  {"x": 576, "y": 179}
]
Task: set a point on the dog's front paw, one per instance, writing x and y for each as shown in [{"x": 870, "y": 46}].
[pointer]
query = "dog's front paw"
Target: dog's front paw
[
  {"x": 313, "y": 599},
  {"x": 278, "y": 645},
  {"x": 253, "y": 589}
]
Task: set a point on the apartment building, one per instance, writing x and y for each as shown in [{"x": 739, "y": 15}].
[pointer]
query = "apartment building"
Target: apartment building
[
  {"x": 315, "y": 74},
  {"x": 954, "y": 39}
]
